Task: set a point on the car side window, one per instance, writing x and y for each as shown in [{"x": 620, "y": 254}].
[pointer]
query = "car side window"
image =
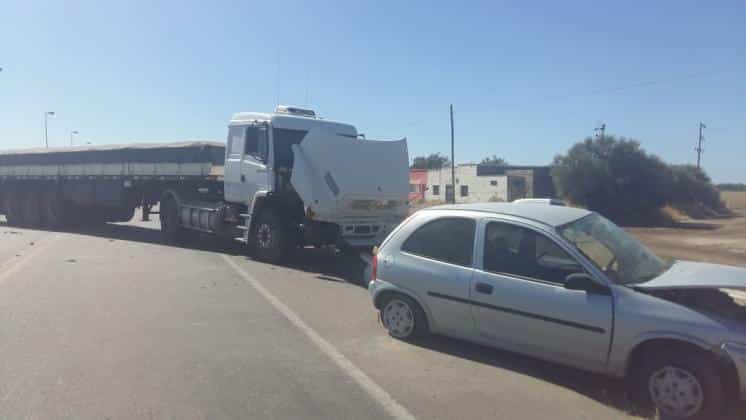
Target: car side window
[
  {"x": 450, "y": 239},
  {"x": 522, "y": 252}
]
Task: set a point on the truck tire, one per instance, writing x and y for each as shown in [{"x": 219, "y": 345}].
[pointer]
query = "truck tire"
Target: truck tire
[
  {"x": 53, "y": 209},
  {"x": 31, "y": 205},
  {"x": 271, "y": 242},
  {"x": 13, "y": 212},
  {"x": 171, "y": 229}
]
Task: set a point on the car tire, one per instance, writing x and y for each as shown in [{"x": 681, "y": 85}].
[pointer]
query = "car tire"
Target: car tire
[
  {"x": 681, "y": 385},
  {"x": 403, "y": 317}
]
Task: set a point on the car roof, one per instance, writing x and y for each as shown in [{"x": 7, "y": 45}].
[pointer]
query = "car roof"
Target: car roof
[{"x": 544, "y": 213}]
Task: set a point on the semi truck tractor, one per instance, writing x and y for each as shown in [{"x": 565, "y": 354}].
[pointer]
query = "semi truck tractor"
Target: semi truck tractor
[{"x": 281, "y": 180}]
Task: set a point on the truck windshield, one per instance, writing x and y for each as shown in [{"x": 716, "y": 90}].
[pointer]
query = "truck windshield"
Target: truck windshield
[
  {"x": 283, "y": 139},
  {"x": 611, "y": 249}
]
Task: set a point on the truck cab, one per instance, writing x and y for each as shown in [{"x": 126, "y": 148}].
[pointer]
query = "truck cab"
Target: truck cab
[
  {"x": 294, "y": 179},
  {"x": 258, "y": 153}
]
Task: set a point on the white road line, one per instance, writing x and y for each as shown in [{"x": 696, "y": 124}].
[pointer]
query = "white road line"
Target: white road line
[
  {"x": 392, "y": 407},
  {"x": 15, "y": 264}
]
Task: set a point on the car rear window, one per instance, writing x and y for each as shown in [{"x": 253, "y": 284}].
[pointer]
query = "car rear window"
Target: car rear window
[{"x": 450, "y": 239}]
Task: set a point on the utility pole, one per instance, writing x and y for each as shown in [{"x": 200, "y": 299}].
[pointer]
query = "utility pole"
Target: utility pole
[
  {"x": 46, "y": 132},
  {"x": 453, "y": 164},
  {"x": 699, "y": 148},
  {"x": 600, "y": 131}
]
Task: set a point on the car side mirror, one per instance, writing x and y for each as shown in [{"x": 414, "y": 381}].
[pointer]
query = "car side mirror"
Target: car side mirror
[{"x": 584, "y": 282}]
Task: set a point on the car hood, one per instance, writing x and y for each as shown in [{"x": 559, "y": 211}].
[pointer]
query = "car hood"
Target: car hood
[{"x": 696, "y": 275}]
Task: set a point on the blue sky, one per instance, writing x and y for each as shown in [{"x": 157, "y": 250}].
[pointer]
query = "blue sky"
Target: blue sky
[{"x": 527, "y": 79}]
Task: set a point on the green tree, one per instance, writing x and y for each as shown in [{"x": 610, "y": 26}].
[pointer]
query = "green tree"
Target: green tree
[
  {"x": 494, "y": 160},
  {"x": 431, "y": 161},
  {"x": 615, "y": 177}
]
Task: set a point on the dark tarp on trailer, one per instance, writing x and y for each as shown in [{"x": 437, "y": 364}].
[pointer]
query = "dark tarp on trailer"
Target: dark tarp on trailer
[{"x": 185, "y": 152}]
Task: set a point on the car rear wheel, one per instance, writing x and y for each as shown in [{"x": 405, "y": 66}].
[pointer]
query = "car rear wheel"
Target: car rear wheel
[
  {"x": 682, "y": 385},
  {"x": 402, "y": 317}
]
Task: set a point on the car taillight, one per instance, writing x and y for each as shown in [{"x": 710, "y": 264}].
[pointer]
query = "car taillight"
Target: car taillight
[{"x": 374, "y": 268}]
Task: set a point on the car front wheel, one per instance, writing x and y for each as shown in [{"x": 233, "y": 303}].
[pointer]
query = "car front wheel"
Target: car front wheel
[{"x": 682, "y": 385}]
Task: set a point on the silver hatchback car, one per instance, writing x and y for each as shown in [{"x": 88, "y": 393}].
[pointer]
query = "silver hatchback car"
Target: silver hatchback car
[{"x": 566, "y": 285}]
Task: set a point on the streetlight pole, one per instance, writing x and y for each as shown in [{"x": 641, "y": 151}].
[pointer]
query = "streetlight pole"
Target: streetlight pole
[
  {"x": 453, "y": 163},
  {"x": 46, "y": 132},
  {"x": 71, "y": 137}
]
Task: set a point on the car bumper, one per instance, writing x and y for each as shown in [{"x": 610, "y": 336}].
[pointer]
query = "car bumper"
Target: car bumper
[
  {"x": 373, "y": 289},
  {"x": 737, "y": 354}
]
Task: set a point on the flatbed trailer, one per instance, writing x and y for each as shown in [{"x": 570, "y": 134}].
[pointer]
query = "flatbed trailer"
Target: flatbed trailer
[
  {"x": 280, "y": 180},
  {"x": 58, "y": 186}
]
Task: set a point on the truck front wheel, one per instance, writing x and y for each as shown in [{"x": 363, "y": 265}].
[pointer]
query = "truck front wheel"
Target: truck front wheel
[{"x": 270, "y": 238}]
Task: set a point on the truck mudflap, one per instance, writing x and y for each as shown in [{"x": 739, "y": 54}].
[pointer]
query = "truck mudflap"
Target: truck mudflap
[{"x": 341, "y": 178}]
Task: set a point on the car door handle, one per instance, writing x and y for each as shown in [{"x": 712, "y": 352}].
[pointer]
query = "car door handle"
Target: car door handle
[{"x": 484, "y": 288}]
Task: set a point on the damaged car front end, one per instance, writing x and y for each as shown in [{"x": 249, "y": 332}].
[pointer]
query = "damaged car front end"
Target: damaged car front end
[
  {"x": 679, "y": 326},
  {"x": 716, "y": 291}
]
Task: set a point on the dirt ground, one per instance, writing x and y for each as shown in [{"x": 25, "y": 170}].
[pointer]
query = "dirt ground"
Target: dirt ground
[{"x": 720, "y": 241}]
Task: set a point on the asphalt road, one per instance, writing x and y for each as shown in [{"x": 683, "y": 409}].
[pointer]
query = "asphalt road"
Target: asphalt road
[{"x": 110, "y": 323}]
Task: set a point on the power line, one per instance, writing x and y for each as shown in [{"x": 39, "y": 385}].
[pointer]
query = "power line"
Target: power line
[
  {"x": 667, "y": 80},
  {"x": 674, "y": 79}
]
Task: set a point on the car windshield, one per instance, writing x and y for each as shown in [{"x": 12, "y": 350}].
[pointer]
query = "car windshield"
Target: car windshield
[{"x": 611, "y": 249}]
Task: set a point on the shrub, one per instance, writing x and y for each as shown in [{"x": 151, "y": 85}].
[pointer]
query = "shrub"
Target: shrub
[
  {"x": 617, "y": 178},
  {"x": 692, "y": 192},
  {"x": 613, "y": 176}
]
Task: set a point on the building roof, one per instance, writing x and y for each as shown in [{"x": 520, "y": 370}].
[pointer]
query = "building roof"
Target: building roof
[{"x": 550, "y": 215}]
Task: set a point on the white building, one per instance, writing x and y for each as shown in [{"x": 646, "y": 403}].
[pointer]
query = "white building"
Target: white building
[{"x": 470, "y": 187}]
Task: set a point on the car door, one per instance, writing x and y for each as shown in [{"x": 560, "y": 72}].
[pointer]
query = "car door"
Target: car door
[
  {"x": 519, "y": 301},
  {"x": 246, "y": 162},
  {"x": 435, "y": 264}
]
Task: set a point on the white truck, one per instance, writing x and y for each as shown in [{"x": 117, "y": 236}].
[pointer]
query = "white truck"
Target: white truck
[{"x": 283, "y": 179}]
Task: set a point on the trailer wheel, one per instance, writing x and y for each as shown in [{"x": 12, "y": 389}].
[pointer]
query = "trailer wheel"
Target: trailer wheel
[
  {"x": 52, "y": 209},
  {"x": 13, "y": 211},
  {"x": 31, "y": 206},
  {"x": 270, "y": 238},
  {"x": 169, "y": 215}
]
